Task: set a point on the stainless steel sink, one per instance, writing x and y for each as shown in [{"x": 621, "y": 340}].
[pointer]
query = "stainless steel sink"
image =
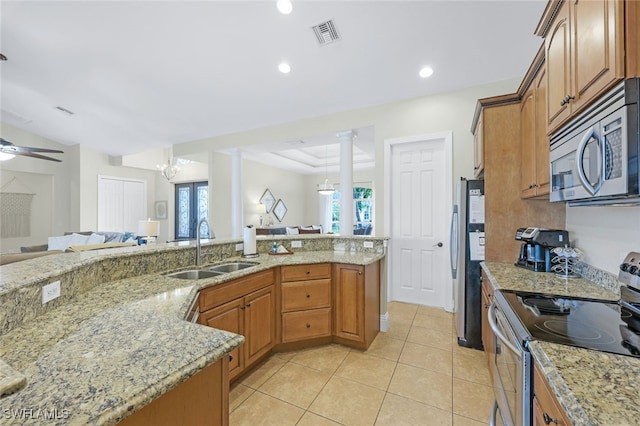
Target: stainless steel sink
[
  {"x": 194, "y": 274},
  {"x": 231, "y": 267}
]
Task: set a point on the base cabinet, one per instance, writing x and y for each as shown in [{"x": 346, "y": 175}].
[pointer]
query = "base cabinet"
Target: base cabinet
[
  {"x": 229, "y": 307},
  {"x": 488, "y": 338},
  {"x": 546, "y": 409},
  {"x": 202, "y": 399},
  {"x": 357, "y": 303}
]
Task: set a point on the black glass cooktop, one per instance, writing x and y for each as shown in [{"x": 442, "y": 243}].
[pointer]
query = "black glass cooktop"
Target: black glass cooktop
[{"x": 587, "y": 323}]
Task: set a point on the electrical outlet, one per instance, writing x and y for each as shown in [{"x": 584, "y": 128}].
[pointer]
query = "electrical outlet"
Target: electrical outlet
[
  {"x": 239, "y": 247},
  {"x": 50, "y": 291},
  {"x": 296, "y": 244},
  {"x": 368, "y": 244}
]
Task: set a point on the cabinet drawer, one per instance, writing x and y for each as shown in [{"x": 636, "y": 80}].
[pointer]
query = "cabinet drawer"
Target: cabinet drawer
[
  {"x": 306, "y": 324},
  {"x": 306, "y": 295},
  {"x": 305, "y": 272},
  {"x": 223, "y": 293}
]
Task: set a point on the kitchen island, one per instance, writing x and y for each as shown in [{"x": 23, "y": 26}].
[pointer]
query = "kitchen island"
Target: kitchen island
[
  {"x": 114, "y": 346},
  {"x": 593, "y": 387}
]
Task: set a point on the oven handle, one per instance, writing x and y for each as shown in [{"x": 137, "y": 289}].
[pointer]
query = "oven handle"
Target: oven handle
[
  {"x": 580, "y": 165},
  {"x": 494, "y": 327}
]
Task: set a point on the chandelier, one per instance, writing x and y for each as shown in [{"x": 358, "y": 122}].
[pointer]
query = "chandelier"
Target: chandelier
[
  {"x": 326, "y": 188},
  {"x": 168, "y": 170}
]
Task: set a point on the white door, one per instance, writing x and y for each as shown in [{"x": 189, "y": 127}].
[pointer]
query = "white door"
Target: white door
[
  {"x": 420, "y": 184},
  {"x": 121, "y": 204}
]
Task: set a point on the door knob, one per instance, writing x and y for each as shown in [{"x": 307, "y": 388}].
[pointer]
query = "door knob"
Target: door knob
[{"x": 438, "y": 245}]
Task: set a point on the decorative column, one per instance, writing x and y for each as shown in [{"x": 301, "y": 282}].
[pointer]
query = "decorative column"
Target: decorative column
[
  {"x": 346, "y": 181},
  {"x": 236, "y": 193}
]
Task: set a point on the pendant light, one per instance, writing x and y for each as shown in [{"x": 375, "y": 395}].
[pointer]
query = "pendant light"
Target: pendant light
[{"x": 326, "y": 188}]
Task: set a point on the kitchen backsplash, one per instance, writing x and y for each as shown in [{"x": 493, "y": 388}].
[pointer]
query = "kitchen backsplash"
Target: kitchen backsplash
[{"x": 602, "y": 278}]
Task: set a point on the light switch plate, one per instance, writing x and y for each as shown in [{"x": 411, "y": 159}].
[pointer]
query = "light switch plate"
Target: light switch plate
[
  {"x": 50, "y": 291},
  {"x": 239, "y": 246},
  {"x": 296, "y": 244}
]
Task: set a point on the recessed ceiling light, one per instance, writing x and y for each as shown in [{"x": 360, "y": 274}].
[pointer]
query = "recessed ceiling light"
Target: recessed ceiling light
[
  {"x": 426, "y": 72},
  {"x": 284, "y": 68},
  {"x": 284, "y": 6}
]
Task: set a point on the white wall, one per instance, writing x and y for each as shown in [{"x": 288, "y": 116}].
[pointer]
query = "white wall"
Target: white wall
[
  {"x": 434, "y": 114},
  {"x": 604, "y": 234}
]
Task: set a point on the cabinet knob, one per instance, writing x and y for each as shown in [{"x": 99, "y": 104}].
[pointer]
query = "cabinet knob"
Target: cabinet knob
[
  {"x": 548, "y": 420},
  {"x": 359, "y": 272},
  {"x": 308, "y": 295},
  {"x": 248, "y": 305},
  {"x": 566, "y": 100},
  {"x": 308, "y": 325},
  {"x": 230, "y": 358},
  {"x": 242, "y": 307},
  {"x": 308, "y": 272}
]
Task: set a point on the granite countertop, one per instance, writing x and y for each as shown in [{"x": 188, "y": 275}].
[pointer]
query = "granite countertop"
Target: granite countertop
[
  {"x": 118, "y": 346},
  {"x": 593, "y": 387}
]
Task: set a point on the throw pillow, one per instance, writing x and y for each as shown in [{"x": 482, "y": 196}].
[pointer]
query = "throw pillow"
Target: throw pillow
[
  {"x": 59, "y": 243},
  {"x": 95, "y": 239},
  {"x": 78, "y": 239}
]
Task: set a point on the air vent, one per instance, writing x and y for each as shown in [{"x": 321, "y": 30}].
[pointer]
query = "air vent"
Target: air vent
[{"x": 326, "y": 32}]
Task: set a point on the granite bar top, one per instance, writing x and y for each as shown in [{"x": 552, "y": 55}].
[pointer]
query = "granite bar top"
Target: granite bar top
[
  {"x": 593, "y": 387},
  {"x": 117, "y": 346}
]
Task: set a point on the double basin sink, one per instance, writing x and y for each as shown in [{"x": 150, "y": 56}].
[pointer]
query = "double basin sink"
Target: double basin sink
[{"x": 211, "y": 271}]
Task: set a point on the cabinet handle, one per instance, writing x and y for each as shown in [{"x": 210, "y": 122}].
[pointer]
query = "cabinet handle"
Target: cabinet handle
[
  {"x": 248, "y": 305},
  {"x": 242, "y": 307},
  {"x": 566, "y": 100},
  {"x": 308, "y": 295},
  {"x": 548, "y": 420},
  {"x": 230, "y": 358},
  {"x": 308, "y": 325}
]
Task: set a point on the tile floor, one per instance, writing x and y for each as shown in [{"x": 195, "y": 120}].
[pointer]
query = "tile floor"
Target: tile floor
[{"x": 415, "y": 374}]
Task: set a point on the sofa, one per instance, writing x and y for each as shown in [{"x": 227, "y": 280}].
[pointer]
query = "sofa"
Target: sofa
[
  {"x": 289, "y": 230},
  {"x": 72, "y": 242}
]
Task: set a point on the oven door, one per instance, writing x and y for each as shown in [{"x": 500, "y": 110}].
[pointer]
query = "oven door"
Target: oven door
[{"x": 510, "y": 369}]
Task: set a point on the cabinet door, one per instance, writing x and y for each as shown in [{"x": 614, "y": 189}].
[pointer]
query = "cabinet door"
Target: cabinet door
[
  {"x": 546, "y": 408},
  {"x": 349, "y": 306},
  {"x": 558, "y": 60},
  {"x": 527, "y": 144},
  {"x": 478, "y": 148},
  {"x": 597, "y": 48},
  {"x": 541, "y": 138},
  {"x": 228, "y": 317},
  {"x": 259, "y": 323}
]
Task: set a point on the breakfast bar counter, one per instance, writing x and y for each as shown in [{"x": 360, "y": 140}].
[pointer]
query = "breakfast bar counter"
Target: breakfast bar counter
[{"x": 116, "y": 346}]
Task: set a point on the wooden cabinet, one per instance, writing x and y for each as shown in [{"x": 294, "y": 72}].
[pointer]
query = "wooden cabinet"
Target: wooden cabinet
[
  {"x": 546, "y": 408},
  {"x": 534, "y": 142},
  {"x": 488, "y": 338},
  {"x": 356, "y": 303},
  {"x": 584, "y": 49},
  {"x": 478, "y": 149},
  {"x": 244, "y": 306},
  {"x": 202, "y": 399},
  {"x": 306, "y": 301}
]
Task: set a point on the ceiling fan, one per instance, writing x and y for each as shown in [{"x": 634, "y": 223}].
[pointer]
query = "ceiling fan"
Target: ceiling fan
[{"x": 8, "y": 150}]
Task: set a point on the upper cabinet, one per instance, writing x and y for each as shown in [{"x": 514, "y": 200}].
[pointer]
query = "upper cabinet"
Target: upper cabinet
[
  {"x": 478, "y": 149},
  {"x": 534, "y": 142},
  {"x": 584, "y": 49}
]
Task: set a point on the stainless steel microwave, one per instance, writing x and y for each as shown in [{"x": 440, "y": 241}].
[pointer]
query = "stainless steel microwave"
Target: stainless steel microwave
[{"x": 594, "y": 159}]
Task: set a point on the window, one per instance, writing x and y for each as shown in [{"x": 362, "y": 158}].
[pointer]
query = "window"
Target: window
[
  {"x": 362, "y": 207},
  {"x": 192, "y": 204}
]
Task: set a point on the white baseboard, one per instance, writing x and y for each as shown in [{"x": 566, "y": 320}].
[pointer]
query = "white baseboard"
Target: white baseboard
[{"x": 384, "y": 322}]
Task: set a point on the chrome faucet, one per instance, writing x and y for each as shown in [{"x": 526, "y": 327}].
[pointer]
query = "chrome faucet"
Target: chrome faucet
[{"x": 198, "y": 244}]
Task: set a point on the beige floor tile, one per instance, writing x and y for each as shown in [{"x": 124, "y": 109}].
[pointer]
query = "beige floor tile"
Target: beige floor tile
[
  {"x": 427, "y": 357},
  {"x": 262, "y": 372},
  {"x": 324, "y": 358},
  {"x": 423, "y": 386},
  {"x": 296, "y": 384},
  {"x": 311, "y": 419},
  {"x": 398, "y": 330},
  {"x": 261, "y": 409},
  {"x": 348, "y": 402},
  {"x": 472, "y": 400},
  {"x": 402, "y": 308},
  {"x": 385, "y": 346},
  {"x": 400, "y": 411},
  {"x": 238, "y": 394},
  {"x": 366, "y": 369},
  {"x": 437, "y": 323},
  {"x": 433, "y": 311},
  {"x": 285, "y": 355},
  {"x": 471, "y": 365},
  {"x": 465, "y": 421},
  {"x": 430, "y": 337}
]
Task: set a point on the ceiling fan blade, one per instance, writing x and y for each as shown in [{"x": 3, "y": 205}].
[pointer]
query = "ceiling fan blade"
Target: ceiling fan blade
[
  {"x": 42, "y": 157},
  {"x": 31, "y": 149}
]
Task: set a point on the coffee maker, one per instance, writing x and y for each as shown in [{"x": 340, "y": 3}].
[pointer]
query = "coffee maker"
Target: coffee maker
[{"x": 536, "y": 251}]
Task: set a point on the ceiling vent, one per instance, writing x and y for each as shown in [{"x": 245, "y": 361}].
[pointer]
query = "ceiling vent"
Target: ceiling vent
[
  {"x": 326, "y": 32},
  {"x": 66, "y": 111}
]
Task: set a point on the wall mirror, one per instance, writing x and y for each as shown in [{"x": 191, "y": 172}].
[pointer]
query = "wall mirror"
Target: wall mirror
[
  {"x": 268, "y": 200},
  {"x": 280, "y": 210}
]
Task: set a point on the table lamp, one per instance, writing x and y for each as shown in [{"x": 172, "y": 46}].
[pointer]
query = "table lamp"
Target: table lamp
[{"x": 148, "y": 230}]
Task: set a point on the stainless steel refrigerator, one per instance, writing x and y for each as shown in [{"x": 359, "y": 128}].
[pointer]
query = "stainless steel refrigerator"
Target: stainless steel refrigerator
[{"x": 467, "y": 251}]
